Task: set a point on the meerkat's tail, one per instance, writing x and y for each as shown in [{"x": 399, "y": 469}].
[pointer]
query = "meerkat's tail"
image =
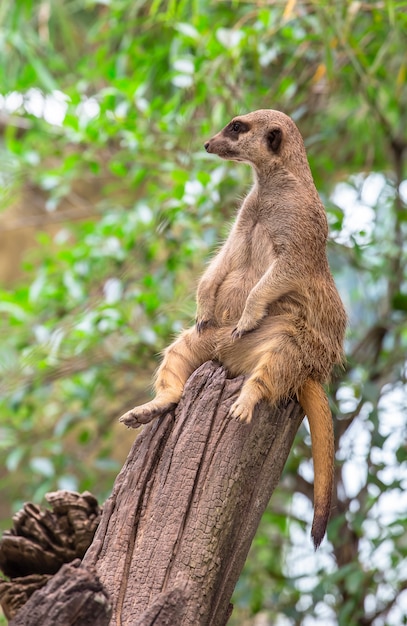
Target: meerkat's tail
[{"x": 315, "y": 404}]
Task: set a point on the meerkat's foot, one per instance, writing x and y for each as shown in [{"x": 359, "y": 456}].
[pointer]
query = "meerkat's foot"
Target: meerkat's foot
[
  {"x": 145, "y": 413},
  {"x": 241, "y": 411}
]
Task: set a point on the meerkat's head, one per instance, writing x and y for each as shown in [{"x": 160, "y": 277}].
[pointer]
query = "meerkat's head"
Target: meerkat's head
[{"x": 266, "y": 139}]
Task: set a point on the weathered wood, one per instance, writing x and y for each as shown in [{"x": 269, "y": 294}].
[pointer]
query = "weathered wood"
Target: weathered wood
[
  {"x": 176, "y": 530},
  {"x": 16, "y": 592},
  {"x": 41, "y": 541},
  {"x": 73, "y": 597}
]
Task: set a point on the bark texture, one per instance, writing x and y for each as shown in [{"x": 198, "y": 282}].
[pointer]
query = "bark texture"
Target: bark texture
[{"x": 176, "y": 530}]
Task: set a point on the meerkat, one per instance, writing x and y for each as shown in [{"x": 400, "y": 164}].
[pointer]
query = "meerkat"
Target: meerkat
[{"x": 267, "y": 305}]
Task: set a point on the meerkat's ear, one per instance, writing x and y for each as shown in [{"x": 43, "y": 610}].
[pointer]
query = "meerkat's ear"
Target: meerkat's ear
[{"x": 274, "y": 138}]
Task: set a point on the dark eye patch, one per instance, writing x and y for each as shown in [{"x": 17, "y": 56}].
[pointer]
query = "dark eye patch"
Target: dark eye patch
[{"x": 236, "y": 128}]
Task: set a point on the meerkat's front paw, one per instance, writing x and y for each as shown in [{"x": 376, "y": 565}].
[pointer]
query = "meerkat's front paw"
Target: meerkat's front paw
[
  {"x": 145, "y": 413},
  {"x": 205, "y": 312},
  {"x": 202, "y": 324},
  {"x": 243, "y": 327},
  {"x": 241, "y": 411}
]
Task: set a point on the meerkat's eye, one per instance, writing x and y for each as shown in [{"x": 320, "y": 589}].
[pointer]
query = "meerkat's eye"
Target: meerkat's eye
[{"x": 235, "y": 128}]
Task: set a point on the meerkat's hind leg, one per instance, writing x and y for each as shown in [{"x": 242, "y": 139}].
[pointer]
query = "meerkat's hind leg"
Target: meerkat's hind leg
[
  {"x": 252, "y": 392},
  {"x": 146, "y": 413},
  {"x": 276, "y": 376},
  {"x": 181, "y": 358}
]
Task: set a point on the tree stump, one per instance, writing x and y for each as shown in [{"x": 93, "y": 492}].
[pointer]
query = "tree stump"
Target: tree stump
[
  {"x": 175, "y": 533},
  {"x": 177, "y": 528}
]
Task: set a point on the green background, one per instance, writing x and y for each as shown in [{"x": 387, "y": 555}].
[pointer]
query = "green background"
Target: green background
[{"x": 110, "y": 208}]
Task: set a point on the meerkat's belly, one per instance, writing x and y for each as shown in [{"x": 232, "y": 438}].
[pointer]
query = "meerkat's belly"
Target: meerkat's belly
[
  {"x": 231, "y": 297},
  {"x": 253, "y": 254},
  {"x": 232, "y": 294}
]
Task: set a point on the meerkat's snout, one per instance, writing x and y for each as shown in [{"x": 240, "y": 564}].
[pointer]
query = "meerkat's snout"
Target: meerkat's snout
[{"x": 216, "y": 144}]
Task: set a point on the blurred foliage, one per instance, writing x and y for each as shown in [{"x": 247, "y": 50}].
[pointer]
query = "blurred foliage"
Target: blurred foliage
[{"x": 115, "y": 99}]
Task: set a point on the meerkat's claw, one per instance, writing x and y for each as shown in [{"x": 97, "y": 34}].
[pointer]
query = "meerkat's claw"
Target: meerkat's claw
[
  {"x": 145, "y": 413},
  {"x": 239, "y": 332},
  {"x": 247, "y": 323},
  {"x": 236, "y": 334},
  {"x": 202, "y": 325}
]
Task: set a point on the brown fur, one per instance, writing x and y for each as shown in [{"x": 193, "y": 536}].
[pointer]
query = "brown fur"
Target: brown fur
[{"x": 267, "y": 305}]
